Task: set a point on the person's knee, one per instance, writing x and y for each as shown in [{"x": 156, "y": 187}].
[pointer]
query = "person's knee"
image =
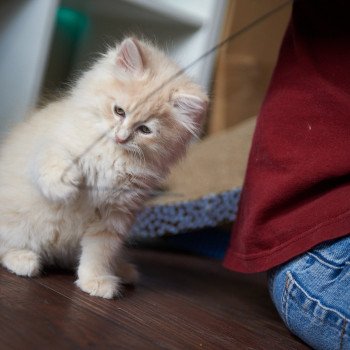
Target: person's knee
[{"x": 308, "y": 314}]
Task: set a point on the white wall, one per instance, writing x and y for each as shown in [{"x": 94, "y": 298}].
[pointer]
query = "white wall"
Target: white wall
[{"x": 25, "y": 33}]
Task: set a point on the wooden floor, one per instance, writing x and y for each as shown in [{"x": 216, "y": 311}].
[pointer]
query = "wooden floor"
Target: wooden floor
[{"x": 182, "y": 302}]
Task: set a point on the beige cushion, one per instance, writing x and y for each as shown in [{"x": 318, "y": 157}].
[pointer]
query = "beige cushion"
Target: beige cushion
[{"x": 214, "y": 165}]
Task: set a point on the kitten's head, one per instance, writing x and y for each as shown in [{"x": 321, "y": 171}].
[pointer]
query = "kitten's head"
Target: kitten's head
[{"x": 135, "y": 96}]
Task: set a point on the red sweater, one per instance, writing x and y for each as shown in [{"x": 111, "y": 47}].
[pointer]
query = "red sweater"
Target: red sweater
[{"x": 297, "y": 187}]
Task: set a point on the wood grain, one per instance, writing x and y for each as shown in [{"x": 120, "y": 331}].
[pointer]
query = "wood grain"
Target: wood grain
[{"x": 181, "y": 302}]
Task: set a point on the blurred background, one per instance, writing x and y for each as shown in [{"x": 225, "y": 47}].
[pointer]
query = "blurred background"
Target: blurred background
[{"x": 44, "y": 44}]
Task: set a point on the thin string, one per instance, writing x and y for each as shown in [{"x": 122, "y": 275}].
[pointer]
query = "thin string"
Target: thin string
[{"x": 182, "y": 71}]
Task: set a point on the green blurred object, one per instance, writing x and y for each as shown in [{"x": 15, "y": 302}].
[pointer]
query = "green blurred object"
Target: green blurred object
[
  {"x": 71, "y": 23},
  {"x": 70, "y": 29}
]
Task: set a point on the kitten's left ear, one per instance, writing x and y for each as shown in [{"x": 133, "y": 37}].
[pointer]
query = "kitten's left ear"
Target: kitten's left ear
[
  {"x": 129, "y": 57},
  {"x": 191, "y": 111}
]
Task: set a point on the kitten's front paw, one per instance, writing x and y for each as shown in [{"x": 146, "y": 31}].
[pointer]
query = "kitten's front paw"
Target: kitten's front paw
[
  {"x": 22, "y": 262},
  {"x": 59, "y": 182},
  {"x": 60, "y": 192},
  {"x": 104, "y": 286},
  {"x": 64, "y": 189}
]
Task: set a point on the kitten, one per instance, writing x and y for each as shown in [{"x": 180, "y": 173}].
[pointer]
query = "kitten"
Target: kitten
[{"x": 73, "y": 176}]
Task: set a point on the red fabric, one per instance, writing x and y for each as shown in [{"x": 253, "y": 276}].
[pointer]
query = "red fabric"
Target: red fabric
[{"x": 297, "y": 187}]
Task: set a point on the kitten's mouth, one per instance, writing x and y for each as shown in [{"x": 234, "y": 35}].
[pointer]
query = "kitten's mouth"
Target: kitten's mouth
[
  {"x": 122, "y": 145},
  {"x": 120, "y": 141}
]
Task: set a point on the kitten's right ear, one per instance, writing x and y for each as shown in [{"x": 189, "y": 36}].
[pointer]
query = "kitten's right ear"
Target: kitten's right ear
[
  {"x": 191, "y": 110},
  {"x": 129, "y": 57}
]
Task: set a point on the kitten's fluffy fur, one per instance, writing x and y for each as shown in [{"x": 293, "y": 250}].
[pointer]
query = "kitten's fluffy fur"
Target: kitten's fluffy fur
[{"x": 73, "y": 176}]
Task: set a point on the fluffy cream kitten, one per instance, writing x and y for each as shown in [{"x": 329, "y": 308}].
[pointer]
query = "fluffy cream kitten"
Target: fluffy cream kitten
[{"x": 73, "y": 176}]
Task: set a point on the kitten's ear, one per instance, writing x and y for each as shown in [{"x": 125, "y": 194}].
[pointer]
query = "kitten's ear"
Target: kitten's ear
[
  {"x": 191, "y": 110},
  {"x": 129, "y": 56}
]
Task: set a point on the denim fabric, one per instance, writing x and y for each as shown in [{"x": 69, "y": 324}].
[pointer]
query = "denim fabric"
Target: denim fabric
[{"x": 312, "y": 295}]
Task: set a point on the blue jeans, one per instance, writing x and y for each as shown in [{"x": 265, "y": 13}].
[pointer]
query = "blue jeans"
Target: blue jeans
[{"x": 312, "y": 295}]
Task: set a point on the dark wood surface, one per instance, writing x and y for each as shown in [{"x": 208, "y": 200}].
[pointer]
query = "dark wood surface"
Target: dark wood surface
[{"x": 181, "y": 302}]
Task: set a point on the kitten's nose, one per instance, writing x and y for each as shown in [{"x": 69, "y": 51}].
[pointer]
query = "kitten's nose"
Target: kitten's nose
[{"x": 120, "y": 140}]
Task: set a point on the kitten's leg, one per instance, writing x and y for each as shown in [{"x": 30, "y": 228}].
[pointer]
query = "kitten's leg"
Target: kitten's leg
[
  {"x": 96, "y": 274},
  {"x": 22, "y": 262}
]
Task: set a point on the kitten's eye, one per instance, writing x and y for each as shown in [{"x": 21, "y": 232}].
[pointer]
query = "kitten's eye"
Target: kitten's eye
[
  {"x": 144, "y": 129},
  {"x": 119, "y": 111}
]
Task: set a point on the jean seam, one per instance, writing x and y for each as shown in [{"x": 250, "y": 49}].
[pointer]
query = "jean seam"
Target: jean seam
[
  {"x": 285, "y": 298},
  {"x": 322, "y": 261},
  {"x": 328, "y": 309},
  {"x": 342, "y": 334},
  {"x": 345, "y": 320}
]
